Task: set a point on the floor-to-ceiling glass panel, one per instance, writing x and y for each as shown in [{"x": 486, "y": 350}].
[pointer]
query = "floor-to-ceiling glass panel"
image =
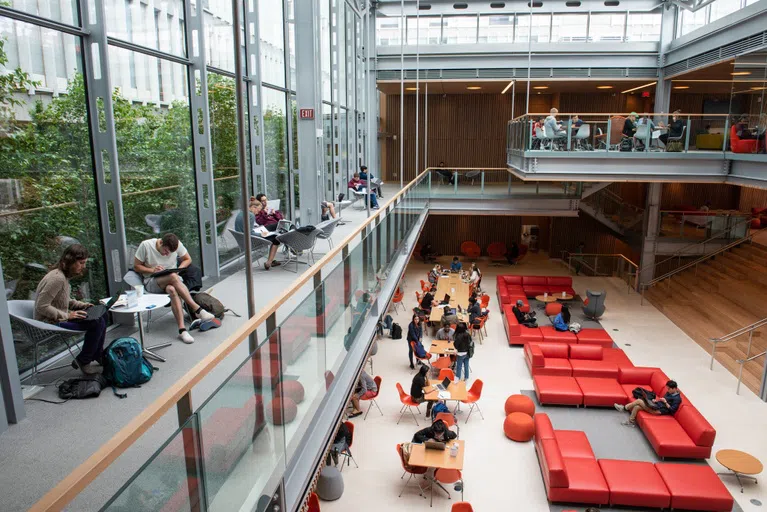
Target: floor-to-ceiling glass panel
[
  {"x": 537, "y": 33},
  {"x": 156, "y": 25},
  {"x": 342, "y": 35},
  {"x": 643, "y": 27},
  {"x": 219, "y": 36},
  {"x": 65, "y": 11},
  {"x": 325, "y": 48},
  {"x": 693, "y": 20},
  {"x": 722, "y": 8},
  {"x": 292, "y": 42},
  {"x": 275, "y": 146},
  {"x": 388, "y": 31},
  {"x": 424, "y": 29},
  {"x": 607, "y": 27},
  {"x": 496, "y": 28},
  {"x": 459, "y": 29},
  {"x": 327, "y": 138},
  {"x": 568, "y": 28},
  {"x": 346, "y": 173},
  {"x": 154, "y": 145},
  {"x": 47, "y": 188},
  {"x": 270, "y": 25}
]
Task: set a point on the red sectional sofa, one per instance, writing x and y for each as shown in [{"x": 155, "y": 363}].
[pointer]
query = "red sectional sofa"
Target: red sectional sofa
[
  {"x": 511, "y": 288},
  {"x": 686, "y": 434},
  {"x": 518, "y": 334},
  {"x": 575, "y": 360},
  {"x": 521, "y": 335},
  {"x": 572, "y": 474}
]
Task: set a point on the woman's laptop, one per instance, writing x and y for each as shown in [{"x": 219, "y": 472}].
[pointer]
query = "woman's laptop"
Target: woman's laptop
[
  {"x": 434, "y": 445},
  {"x": 99, "y": 310},
  {"x": 445, "y": 383}
]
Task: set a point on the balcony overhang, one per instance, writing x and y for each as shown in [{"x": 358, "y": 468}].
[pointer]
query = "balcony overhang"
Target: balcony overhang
[{"x": 506, "y": 206}]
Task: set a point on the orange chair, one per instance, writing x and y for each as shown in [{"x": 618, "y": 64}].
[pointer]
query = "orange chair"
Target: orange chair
[
  {"x": 412, "y": 470},
  {"x": 313, "y": 503},
  {"x": 462, "y": 506},
  {"x": 446, "y": 476},
  {"x": 484, "y": 301},
  {"x": 497, "y": 252},
  {"x": 347, "y": 451},
  {"x": 445, "y": 373},
  {"x": 407, "y": 404},
  {"x": 449, "y": 420},
  {"x": 478, "y": 328},
  {"x": 397, "y": 301},
  {"x": 372, "y": 399},
  {"x": 472, "y": 398},
  {"x": 419, "y": 297},
  {"x": 425, "y": 360},
  {"x": 442, "y": 362},
  {"x": 471, "y": 250}
]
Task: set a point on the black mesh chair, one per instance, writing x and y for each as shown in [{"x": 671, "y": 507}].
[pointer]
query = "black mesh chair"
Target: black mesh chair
[
  {"x": 259, "y": 246},
  {"x": 327, "y": 227},
  {"x": 297, "y": 243}
]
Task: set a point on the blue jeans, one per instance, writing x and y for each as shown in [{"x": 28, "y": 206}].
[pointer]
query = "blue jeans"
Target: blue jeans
[{"x": 462, "y": 361}]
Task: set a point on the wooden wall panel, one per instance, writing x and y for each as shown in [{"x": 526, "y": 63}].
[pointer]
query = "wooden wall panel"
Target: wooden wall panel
[
  {"x": 752, "y": 198},
  {"x": 722, "y": 197},
  {"x": 446, "y": 233},
  {"x": 568, "y": 232}
]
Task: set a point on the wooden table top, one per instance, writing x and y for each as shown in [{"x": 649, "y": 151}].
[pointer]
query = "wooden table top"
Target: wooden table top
[
  {"x": 440, "y": 459},
  {"x": 567, "y": 296},
  {"x": 739, "y": 462},
  {"x": 548, "y": 298},
  {"x": 441, "y": 347},
  {"x": 458, "y": 290},
  {"x": 457, "y": 390}
]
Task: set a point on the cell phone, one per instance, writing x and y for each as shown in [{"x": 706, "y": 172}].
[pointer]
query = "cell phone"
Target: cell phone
[{"x": 151, "y": 306}]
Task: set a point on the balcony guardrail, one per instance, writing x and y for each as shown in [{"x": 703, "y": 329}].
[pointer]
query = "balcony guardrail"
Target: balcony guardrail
[
  {"x": 748, "y": 329},
  {"x": 613, "y": 265}
]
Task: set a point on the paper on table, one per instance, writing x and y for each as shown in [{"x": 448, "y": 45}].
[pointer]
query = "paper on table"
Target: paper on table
[{"x": 444, "y": 395}]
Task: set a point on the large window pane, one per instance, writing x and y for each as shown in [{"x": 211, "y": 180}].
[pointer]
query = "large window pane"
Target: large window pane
[
  {"x": 154, "y": 145},
  {"x": 47, "y": 189},
  {"x": 327, "y": 129},
  {"x": 459, "y": 29},
  {"x": 219, "y": 36},
  {"x": 272, "y": 42},
  {"x": 342, "y": 35},
  {"x": 643, "y": 27},
  {"x": 607, "y": 27},
  {"x": 424, "y": 29},
  {"x": 60, "y": 10},
  {"x": 693, "y": 20},
  {"x": 292, "y": 43},
  {"x": 496, "y": 29},
  {"x": 388, "y": 31},
  {"x": 722, "y": 8},
  {"x": 538, "y": 33},
  {"x": 275, "y": 146},
  {"x": 156, "y": 25},
  {"x": 325, "y": 48},
  {"x": 569, "y": 27}
]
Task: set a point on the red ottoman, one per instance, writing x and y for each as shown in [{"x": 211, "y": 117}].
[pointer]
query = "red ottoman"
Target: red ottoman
[
  {"x": 601, "y": 392},
  {"x": 556, "y": 389},
  {"x": 694, "y": 487},
  {"x": 291, "y": 389},
  {"x": 519, "y": 403},
  {"x": 281, "y": 410},
  {"x": 594, "y": 337},
  {"x": 552, "y": 335},
  {"x": 519, "y": 427},
  {"x": 634, "y": 484}
]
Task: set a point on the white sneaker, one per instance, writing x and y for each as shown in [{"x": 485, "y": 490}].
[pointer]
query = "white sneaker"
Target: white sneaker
[
  {"x": 619, "y": 407},
  {"x": 186, "y": 337},
  {"x": 205, "y": 316}
]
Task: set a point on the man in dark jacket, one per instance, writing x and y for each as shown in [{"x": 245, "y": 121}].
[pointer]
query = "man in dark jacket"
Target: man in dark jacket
[
  {"x": 416, "y": 388},
  {"x": 438, "y": 431},
  {"x": 525, "y": 319},
  {"x": 475, "y": 311},
  {"x": 665, "y": 406},
  {"x": 414, "y": 333}
]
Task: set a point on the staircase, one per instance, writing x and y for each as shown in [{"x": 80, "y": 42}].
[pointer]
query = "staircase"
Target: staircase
[
  {"x": 611, "y": 210},
  {"x": 726, "y": 293}
]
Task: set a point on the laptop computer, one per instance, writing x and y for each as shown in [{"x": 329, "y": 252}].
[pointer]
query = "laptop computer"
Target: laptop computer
[
  {"x": 97, "y": 311},
  {"x": 446, "y": 300},
  {"x": 435, "y": 445},
  {"x": 445, "y": 383}
]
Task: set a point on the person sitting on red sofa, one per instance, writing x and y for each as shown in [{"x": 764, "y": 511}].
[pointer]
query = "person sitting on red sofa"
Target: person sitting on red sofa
[
  {"x": 526, "y": 319},
  {"x": 666, "y": 405}
]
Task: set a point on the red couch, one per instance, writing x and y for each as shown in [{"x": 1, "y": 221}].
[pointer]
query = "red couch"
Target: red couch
[
  {"x": 570, "y": 471},
  {"x": 511, "y": 288},
  {"x": 738, "y": 145},
  {"x": 575, "y": 360},
  {"x": 518, "y": 334},
  {"x": 572, "y": 474}
]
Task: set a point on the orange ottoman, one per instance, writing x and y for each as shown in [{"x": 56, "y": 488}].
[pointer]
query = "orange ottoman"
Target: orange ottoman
[
  {"x": 553, "y": 308},
  {"x": 519, "y": 403},
  {"x": 519, "y": 426},
  {"x": 291, "y": 389}
]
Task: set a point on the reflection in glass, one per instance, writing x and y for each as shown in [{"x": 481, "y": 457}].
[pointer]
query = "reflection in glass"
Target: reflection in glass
[
  {"x": 496, "y": 28},
  {"x": 692, "y": 20},
  {"x": 154, "y": 143},
  {"x": 425, "y": 28},
  {"x": 607, "y": 27},
  {"x": 219, "y": 36},
  {"x": 459, "y": 29},
  {"x": 569, "y": 27},
  {"x": 643, "y": 27},
  {"x": 325, "y": 49},
  {"x": 270, "y": 26},
  {"x": 159, "y": 26},
  {"x": 48, "y": 197},
  {"x": 538, "y": 33},
  {"x": 388, "y": 31},
  {"x": 275, "y": 146},
  {"x": 721, "y": 8}
]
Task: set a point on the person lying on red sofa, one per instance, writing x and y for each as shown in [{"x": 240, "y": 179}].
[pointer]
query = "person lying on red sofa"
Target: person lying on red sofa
[{"x": 666, "y": 405}]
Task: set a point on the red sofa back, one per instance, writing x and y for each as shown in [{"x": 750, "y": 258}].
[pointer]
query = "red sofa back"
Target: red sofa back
[
  {"x": 639, "y": 375},
  {"x": 658, "y": 382},
  {"x": 559, "y": 350},
  {"x": 512, "y": 279},
  {"x": 560, "y": 281},
  {"x": 552, "y": 463},
  {"x": 511, "y": 321},
  {"x": 589, "y": 352},
  {"x": 695, "y": 425},
  {"x": 533, "y": 280}
]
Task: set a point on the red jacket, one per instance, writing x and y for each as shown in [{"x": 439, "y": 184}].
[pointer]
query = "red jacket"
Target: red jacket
[
  {"x": 264, "y": 219},
  {"x": 357, "y": 184}
]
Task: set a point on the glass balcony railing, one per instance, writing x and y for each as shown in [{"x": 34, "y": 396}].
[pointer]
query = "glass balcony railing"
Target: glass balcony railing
[
  {"x": 231, "y": 452},
  {"x": 645, "y": 133},
  {"x": 703, "y": 224},
  {"x": 494, "y": 183}
]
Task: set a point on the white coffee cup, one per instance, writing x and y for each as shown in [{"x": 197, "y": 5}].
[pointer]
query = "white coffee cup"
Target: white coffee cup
[{"x": 139, "y": 290}]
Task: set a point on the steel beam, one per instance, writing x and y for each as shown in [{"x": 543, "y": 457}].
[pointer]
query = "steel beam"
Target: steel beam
[
  {"x": 253, "y": 80},
  {"x": 651, "y": 226},
  {"x": 11, "y": 396}
]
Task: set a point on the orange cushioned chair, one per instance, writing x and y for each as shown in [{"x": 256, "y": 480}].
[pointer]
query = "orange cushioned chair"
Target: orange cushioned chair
[
  {"x": 425, "y": 360},
  {"x": 442, "y": 362},
  {"x": 497, "y": 252},
  {"x": 397, "y": 301},
  {"x": 446, "y": 373},
  {"x": 470, "y": 249},
  {"x": 407, "y": 404},
  {"x": 462, "y": 506},
  {"x": 372, "y": 399},
  {"x": 472, "y": 397},
  {"x": 484, "y": 301},
  {"x": 412, "y": 470},
  {"x": 313, "y": 503},
  {"x": 445, "y": 476},
  {"x": 347, "y": 452}
]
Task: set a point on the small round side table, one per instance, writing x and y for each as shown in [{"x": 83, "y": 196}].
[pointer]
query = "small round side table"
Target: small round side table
[{"x": 740, "y": 464}]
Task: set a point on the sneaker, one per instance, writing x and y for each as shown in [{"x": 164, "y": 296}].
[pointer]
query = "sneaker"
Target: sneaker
[
  {"x": 205, "y": 316},
  {"x": 629, "y": 423},
  {"x": 88, "y": 369},
  {"x": 210, "y": 324},
  {"x": 186, "y": 337},
  {"x": 619, "y": 407},
  {"x": 355, "y": 414}
]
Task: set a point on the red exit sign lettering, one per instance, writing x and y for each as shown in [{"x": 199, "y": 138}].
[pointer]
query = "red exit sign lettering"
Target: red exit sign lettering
[{"x": 306, "y": 113}]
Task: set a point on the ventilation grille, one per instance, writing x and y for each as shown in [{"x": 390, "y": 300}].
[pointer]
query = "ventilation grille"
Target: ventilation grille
[
  {"x": 642, "y": 73},
  {"x": 495, "y": 73},
  {"x": 521, "y": 73},
  {"x": 571, "y": 73},
  {"x": 608, "y": 72},
  {"x": 459, "y": 73},
  {"x": 743, "y": 46}
]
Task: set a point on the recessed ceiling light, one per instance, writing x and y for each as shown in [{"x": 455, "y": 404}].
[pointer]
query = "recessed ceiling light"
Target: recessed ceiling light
[
  {"x": 604, "y": 87},
  {"x": 639, "y": 87},
  {"x": 541, "y": 87},
  {"x": 411, "y": 88},
  {"x": 741, "y": 73},
  {"x": 758, "y": 88},
  {"x": 474, "y": 87},
  {"x": 507, "y": 87},
  {"x": 681, "y": 87}
]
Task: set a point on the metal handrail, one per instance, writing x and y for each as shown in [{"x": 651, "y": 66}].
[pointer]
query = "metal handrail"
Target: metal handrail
[
  {"x": 734, "y": 334},
  {"x": 570, "y": 255}
]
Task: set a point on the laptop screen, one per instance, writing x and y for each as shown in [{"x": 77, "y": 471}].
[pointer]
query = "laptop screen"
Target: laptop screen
[
  {"x": 446, "y": 382},
  {"x": 446, "y": 300}
]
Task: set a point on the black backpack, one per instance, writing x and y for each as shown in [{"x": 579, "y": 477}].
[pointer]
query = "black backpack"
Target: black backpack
[
  {"x": 396, "y": 331},
  {"x": 89, "y": 386},
  {"x": 626, "y": 144}
]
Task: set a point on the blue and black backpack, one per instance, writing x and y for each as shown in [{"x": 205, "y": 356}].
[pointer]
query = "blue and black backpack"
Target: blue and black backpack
[{"x": 125, "y": 365}]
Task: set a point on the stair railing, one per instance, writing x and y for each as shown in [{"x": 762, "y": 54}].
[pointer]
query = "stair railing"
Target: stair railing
[
  {"x": 621, "y": 267},
  {"x": 735, "y": 334},
  {"x": 705, "y": 257}
]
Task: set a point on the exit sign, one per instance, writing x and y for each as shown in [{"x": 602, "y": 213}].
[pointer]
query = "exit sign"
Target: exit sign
[{"x": 306, "y": 113}]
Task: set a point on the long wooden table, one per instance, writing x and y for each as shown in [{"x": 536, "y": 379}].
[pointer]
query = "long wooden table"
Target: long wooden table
[
  {"x": 439, "y": 459},
  {"x": 458, "y": 290}
]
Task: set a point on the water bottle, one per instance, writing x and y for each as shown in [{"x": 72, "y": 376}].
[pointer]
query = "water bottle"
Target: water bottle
[{"x": 454, "y": 450}]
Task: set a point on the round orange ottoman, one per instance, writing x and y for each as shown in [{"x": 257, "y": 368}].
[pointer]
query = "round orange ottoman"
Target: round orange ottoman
[
  {"x": 519, "y": 403},
  {"x": 519, "y": 426},
  {"x": 553, "y": 308},
  {"x": 291, "y": 389},
  {"x": 281, "y": 410}
]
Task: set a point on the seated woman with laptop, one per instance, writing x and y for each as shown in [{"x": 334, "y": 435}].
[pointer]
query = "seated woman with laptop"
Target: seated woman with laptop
[{"x": 438, "y": 431}]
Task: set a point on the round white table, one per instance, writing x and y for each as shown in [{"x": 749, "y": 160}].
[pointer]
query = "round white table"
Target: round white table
[{"x": 147, "y": 302}]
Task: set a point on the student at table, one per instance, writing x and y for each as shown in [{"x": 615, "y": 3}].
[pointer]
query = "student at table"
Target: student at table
[
  {"x": 438, "y": 431},
  {"x": 526, "y": 319},
  {"x": 369, "y": 178},
  {"x": 462, "y": 345},
  {"x": 675, "y": 128},
  {"x": 157, "y": 254},
  {"x": 365, "y": 390},
  {"x": 420, "y": 381},
  {"x": 414, "y": 333},
  {"x": 54, "y": 305},
  {"x": 456, "y": 265},
  {"x": 446, "y": 332},
  {"x": 255, "y": 207},
  {"x": 268, "y": 217},
  {"x": 361, "y": 186},
  {"x": 476, "y": 277},
  {"x": 427, "y": 301},
  {"x": 475, "y": 311}
]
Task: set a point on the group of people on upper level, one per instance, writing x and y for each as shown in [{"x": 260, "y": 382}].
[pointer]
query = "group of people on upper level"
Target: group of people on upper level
[{"x": 364, "y": 181}]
